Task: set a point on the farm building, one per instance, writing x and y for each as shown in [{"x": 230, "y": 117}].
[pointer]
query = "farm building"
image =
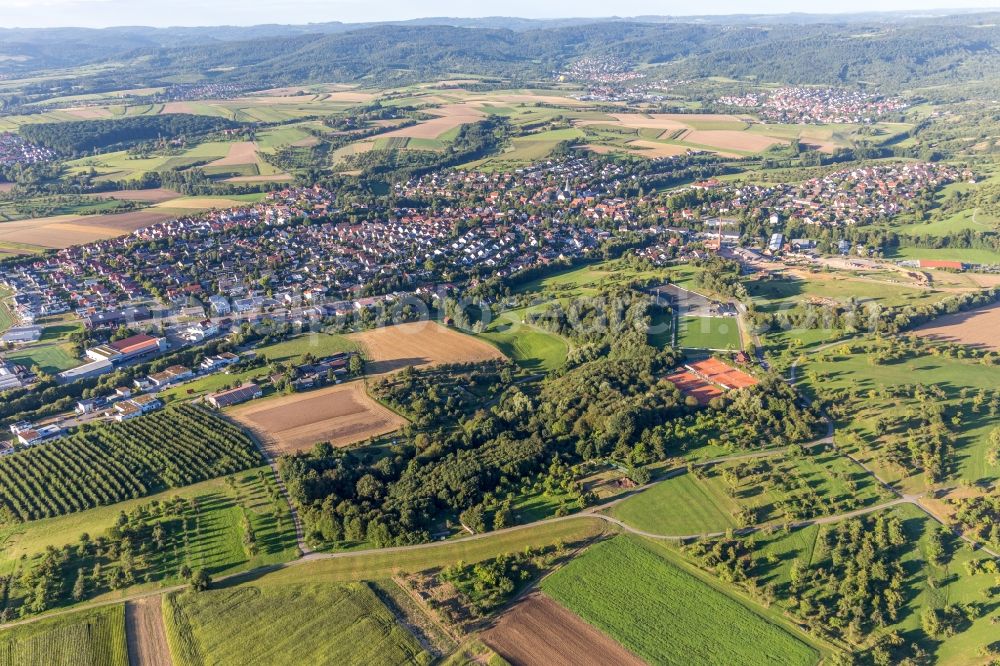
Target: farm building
[
  {"x": 127, "y": 349},
  {"x": 936, "y": 263},
  {"x": 86, "y": 371},
  {"x": 174, "y": 373},
  {"x": 234, "y": 396}
]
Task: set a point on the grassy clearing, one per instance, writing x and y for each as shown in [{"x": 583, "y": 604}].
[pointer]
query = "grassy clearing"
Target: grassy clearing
[
  {"x": 317, "y": 344},
  {"x": 296, "y": 624},
  {"x": 708, "y": 333},
  {"x": 664, "y": 614},
  {"x": 679, "y": 506},
  {"x": 95, "y": 636},
  {"x": 529, "y": 347},
  {"x": 386, "y": 563}
]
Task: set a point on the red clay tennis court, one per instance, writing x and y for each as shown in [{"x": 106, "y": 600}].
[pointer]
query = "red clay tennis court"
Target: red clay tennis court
[
  {"x": 691, "y": 384},
  {"x": 718, "y": 372}
]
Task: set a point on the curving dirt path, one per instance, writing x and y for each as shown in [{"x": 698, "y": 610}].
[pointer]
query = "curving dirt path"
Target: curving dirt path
[{"x": 144, "y": 631}]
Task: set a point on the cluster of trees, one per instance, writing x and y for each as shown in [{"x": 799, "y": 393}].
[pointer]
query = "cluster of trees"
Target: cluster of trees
[
  {"x": 104, "y": 464},
  {"x": 981, "y": 515},
  {"x": 443, "y": 394},
  {"x": 85, "y": 136},
  {"x": 617, "y": 318},
  {"x": 854, "y": 590},
  {"x": 486, "y": 586}
]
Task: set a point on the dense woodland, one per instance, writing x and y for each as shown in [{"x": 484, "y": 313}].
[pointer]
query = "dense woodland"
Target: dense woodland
[{"x": 87, "y": 136}]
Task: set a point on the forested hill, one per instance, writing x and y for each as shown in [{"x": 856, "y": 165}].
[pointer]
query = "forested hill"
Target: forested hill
[
  {"x": 887, "y": 53},
  {"x": 917, "y": 52}
]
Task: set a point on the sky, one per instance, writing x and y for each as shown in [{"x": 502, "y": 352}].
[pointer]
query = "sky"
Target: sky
[{"x": 161, "y": 13}]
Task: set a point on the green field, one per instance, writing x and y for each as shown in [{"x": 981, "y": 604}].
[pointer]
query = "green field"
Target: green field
[
  {"x": 971, "y": 256},
  {"x": 628, "y": 590},
  {"x": 95, "y": 637},
  {"x": 835, "y": 369},
  {"x": 50, "y": 357},
  {"x": 529, "y": 347},
  {"x": 294, "y": 624},
  {"x": 678, "y": 506},
  {"x": 384, "y": 564},
  {"x": 210, "y": 537},
  {"x": 708, "y": 333},
  {"x": 317, "y": 344},
  {"x": 778, "y": 294}
]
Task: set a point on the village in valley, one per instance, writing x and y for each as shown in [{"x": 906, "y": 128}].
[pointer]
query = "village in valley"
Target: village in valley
[{"x": 575, "y": 356}]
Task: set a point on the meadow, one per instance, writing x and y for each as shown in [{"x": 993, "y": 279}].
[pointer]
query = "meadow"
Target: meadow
[
  {"x": 681, "y": 505},
  {"x": 531, "y": 348},
  {"x": 848, "y": 366},
  {"x": 225, "y": 626},
  {"x": 665, "y": 615},
  {"x": 95, "y": 637}
]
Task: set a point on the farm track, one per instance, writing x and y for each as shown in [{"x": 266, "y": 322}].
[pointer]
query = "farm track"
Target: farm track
[{"x": 145, "y": 634}]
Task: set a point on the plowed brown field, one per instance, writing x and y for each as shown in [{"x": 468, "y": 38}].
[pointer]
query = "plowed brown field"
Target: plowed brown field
[
  {"x": 341, "y": 415},
  {"x": 540, "y": 631}
]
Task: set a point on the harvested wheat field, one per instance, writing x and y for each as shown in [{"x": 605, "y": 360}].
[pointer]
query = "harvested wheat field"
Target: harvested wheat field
[
  {"x": 731, "y": 140},
  {"x": 63, "y": 231},
  {"x": 178, "y": 107},
  {"x": 654, "y": 149},
  {"x": 88, "y": 112},
  {"x": 241, "y": 152},
  {"x": 539, "y": 631},
  {"x": 273, "y": 178},
  {"x": 152, "y": 195},
  {"x": 450, "y": 117},
  {"x": 145, "y": 634},
  {"x": 978, "y": 328},
  {"x": 421, "y": 343},
  {"x": 341, "y": 415}
]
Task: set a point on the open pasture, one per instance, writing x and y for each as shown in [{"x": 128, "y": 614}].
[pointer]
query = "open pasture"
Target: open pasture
[
  {"x": 341, "y": 414},
  {"x": 419, "y": 344},
  {"x": 538, "y": 631},
  {"x": 627, "y": 588},
  {"x": 294, "y": 624}
]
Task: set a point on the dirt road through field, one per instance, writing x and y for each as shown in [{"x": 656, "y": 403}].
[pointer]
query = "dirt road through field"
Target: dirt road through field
[{"x": 147, "y": 638}]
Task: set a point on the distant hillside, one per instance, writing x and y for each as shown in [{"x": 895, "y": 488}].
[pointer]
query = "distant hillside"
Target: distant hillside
[{"x": 887, "y": 50}]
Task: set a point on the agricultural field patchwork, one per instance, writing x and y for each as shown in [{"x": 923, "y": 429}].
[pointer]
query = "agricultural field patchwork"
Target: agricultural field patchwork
[
  {"x": 630, "y": 591},
  {"x": 95, "y": 636}
]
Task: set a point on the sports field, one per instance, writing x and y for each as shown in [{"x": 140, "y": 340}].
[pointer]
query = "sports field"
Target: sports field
[
  {"x": 721, "y": 333},
  {"x": 628, "y": 590}
]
